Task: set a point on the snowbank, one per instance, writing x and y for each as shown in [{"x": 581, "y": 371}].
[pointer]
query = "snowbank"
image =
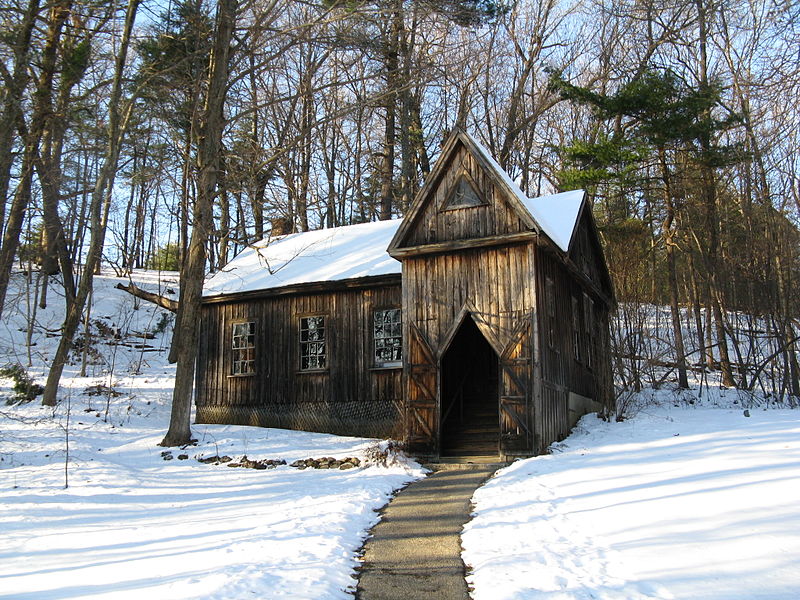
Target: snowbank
[{"x": 677, "y": 502}]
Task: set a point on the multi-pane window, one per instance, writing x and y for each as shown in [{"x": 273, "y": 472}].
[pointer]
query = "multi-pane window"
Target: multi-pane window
[
  {"x": 576, "y": 329},
  {"x": 550, "y": 299},
  {"x": 388, "y": 336},
  {"x": 243, "y": 344},
  {"x": 313, "y": 349},
  {"x": 588, "y": 325}
]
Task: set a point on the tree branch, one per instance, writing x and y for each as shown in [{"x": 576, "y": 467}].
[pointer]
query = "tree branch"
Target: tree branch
[{"x": 162, "y": 301}]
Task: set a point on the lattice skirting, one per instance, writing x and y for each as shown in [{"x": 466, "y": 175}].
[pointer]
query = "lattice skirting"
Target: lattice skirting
[{"x": 363, "y": 419}]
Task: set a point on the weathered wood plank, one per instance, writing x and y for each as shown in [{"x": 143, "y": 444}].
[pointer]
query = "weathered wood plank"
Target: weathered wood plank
[
  {"x": 347, "y": 382},
  {"x": 462, "y": 244}
]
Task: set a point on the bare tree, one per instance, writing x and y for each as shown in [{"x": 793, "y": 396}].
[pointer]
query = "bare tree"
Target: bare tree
[
  {"x": 119, "y": 118},
  {"x": 192, "y": 274}
]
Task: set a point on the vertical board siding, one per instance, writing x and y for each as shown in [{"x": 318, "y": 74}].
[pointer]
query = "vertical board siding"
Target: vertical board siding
[
  {"x": 496, "y": 217},
  {"x": 559, "y": 366},
  {"x": 487, "y": 279},
  {"x": 351, "y": 397},
  {"x": 554, "y": 417},
  {"x": 561, "y": 372},
  {"x": 494, "y": 284},
  {"x": 587, "y": 255}
]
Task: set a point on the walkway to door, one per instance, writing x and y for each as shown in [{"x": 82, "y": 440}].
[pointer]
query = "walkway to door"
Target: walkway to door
[{"x": 415, "y": 550}]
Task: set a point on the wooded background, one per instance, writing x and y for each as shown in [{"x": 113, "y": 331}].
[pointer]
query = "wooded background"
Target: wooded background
[{"x": 128, "y": 128}]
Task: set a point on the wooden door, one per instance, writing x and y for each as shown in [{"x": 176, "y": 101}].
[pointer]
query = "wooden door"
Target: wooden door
[
  {"x": 421, "y": 386},
  {"x": 516, "y": 422}
]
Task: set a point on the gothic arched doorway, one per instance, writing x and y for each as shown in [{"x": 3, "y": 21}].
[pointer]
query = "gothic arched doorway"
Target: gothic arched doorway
[{"x": 470, "y": 420}]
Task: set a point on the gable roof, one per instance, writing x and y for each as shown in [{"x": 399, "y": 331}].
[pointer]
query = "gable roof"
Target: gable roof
[
  {"x": 556, "y": 216},
  {"x": 363, "y": 250},
  {"x": 313, "y": 256}
]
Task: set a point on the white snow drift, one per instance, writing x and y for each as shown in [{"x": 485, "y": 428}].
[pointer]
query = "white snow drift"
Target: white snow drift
[{"x": 676, "y": 503}]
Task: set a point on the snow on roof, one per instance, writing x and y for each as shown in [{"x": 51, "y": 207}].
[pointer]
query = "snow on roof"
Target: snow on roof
[
  {"x": 360, "y": 250},
  {"x": 557, "y": 215},
  {"x": 313, "y": 256},
  {"x": 512, "y": 185}
]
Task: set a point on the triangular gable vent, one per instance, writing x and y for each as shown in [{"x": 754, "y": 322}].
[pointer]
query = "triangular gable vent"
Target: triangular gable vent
[{"x": 463, "y": 195}]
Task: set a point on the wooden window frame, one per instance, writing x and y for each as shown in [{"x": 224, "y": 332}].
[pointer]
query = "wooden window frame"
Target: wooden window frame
[
  {"x": 313, "y": 366},
  {"x": 466, "y": 178},
  {"x": 243, "y": 349},
  {"x": 576, "y": 329},
  {"x": 588, "y": 326},
  {"x": 377, "y": 362}
]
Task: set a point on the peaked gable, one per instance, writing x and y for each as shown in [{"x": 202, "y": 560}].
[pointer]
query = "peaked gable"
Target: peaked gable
[{"x": 466, "y": 197}]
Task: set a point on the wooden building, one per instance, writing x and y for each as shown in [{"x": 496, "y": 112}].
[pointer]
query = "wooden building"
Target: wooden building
[{"x": 478, "y": 324}]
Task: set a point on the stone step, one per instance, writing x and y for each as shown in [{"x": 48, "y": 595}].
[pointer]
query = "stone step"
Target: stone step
[{"x": 466, "y": 463}]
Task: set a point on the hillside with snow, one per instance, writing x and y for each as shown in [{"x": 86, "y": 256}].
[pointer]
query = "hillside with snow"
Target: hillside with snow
[{"x": 686, "y": 498}]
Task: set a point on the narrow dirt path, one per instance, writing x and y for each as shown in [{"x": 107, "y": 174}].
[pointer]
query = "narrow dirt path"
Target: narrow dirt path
[{"x": 415, "y": 550}]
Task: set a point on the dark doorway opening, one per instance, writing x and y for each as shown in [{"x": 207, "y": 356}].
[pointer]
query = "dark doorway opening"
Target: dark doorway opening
[{"x": 469, "y": 395}]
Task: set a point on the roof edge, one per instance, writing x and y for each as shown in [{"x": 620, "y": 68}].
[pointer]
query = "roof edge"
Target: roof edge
[{"x": 335, "y": 285}]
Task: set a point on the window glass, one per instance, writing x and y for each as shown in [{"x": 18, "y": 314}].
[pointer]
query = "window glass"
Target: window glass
[
  {"x": 550, "y": 299},
  {"x": 313, "y": 348},
  {"x": 388, "y": 337},
  {"x": 463, "y": 195},
  {"x": 576, "y": 330},
  {"x": 243, "y": 344}
]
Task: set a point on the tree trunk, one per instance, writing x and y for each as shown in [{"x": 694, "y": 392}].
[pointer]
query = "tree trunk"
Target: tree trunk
[
  {"x": 100, "y": 204},
  {"x": 162, "y": 301},
  {"x": 12, "y": 105},
  {"x": 42, "y": 112},
  {"x": 672, "y": 276},
  {"x": 408, "y": 168},
  {"x": 224, "y": 229},
  {"x": 208, "y": 162},
  {"x": 16, "y": 218},
  {"x": 49, "y": 167},
  {"x": 305, "y": 149},
  {"x": 391, "y": 64},
  {"x": 697, "y": 309},
  {"x": 709, "y": 193},
  {"x": 707, "y": 331}
]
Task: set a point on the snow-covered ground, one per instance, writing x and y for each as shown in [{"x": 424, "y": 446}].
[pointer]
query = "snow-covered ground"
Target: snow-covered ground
[
  {"x": 133, "y": 525},
  {"x": 677, "y": 502}
]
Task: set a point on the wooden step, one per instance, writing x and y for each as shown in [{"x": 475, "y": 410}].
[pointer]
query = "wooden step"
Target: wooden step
[
  {"x": 474, "y": 449},
  {"x": 470, "y": 438},
  {"x": 471, "y": 434}
]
